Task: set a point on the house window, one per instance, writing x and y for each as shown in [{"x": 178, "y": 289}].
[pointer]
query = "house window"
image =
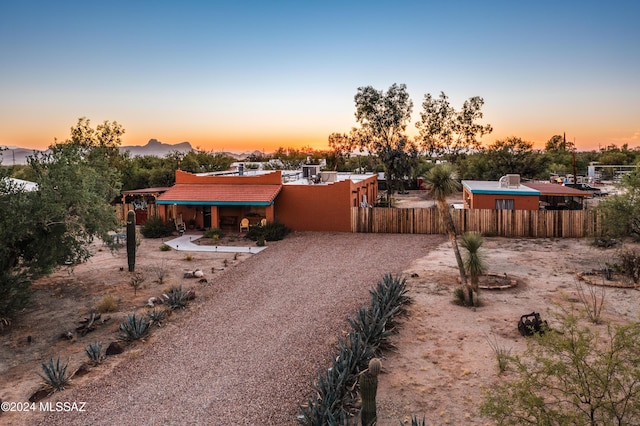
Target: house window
[{"x": 504, "y": 204}]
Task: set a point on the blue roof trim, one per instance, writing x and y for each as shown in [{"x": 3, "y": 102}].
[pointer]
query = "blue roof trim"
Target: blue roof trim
[
  {"x": 216, "y": 203},
  {"x": 503, "y": 192}
]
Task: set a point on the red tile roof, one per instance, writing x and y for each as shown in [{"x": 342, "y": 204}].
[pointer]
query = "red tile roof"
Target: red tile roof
[{"x": 216, "y": 194}]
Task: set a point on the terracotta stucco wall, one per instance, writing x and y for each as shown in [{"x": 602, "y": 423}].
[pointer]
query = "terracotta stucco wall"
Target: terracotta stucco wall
[
  {"x": 322, "y": 207},
  {"x": 488, "y": 201}
]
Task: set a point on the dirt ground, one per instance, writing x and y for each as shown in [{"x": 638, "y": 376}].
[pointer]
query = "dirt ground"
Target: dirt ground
[
  {"x": 62, "y": 300},
  {"x": 443, "y": 359}
]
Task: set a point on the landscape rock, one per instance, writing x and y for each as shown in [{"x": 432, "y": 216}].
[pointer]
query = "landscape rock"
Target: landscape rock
[{"x": 114, "y": 348}]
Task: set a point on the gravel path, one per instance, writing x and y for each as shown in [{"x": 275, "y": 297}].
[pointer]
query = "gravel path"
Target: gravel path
[{"x": 247, "y": 355}]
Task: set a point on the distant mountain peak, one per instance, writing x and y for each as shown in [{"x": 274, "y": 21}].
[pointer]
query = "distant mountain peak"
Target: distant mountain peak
[{"x": 156, "y": 148}]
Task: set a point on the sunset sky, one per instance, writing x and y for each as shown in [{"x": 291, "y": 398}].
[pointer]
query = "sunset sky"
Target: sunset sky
[{"x": 244, "y": 75}]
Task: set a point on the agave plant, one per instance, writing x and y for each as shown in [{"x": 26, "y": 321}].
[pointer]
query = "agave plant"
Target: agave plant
[
  {"x": 156, "y": 316},
  {"x": 177, "y": 298},
  {"x": 94, "y": 352},
  {"x": 55, "y": 374},
  {"x": 133, "y": 328},
  {"x": 336, "y": 397},
  {"x": 416, "y": 422}
]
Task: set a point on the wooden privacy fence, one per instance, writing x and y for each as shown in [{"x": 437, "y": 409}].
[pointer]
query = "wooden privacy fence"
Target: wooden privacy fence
[{"x": 503, "y": 223}]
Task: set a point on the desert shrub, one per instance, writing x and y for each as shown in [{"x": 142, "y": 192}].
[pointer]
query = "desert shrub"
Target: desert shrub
[
  {"x": 213, "y": 233},
  {"x": 458, "y": 296},
  {"x": 629, "y": 264},
  {"x": 160, "y": 272},
  {"x": 592, "y": 299},
  {"x": 272, "y": 231},
  {"x": 108, "y": 303},
  {"x": 571, "y": 376},
  {"x": 55, "y": 375},
  {"x": 14, "y": 295},
  {"x": 165, "y": 247},
  {"x": 136, "y": 281},
  {"x": 188, "y": 257},
  {"x": 502, "y": 353},
  {"x": 154, "y": 227},
  {"x": 94, "y": 353},
  {"x": 133, "y": 328}
]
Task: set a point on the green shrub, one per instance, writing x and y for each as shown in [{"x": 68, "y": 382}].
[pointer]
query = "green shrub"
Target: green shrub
[
  {"x": 134, "y": 328},
  {"x": 154, "y": 227},
  {"x": 213, "y": 233},
  {"x": 575, "y": 375},
  {"x": 272, "y": 231},
  {"x": 14, "y": 295},
  {"x": 165, "y": 247},
  {"x": 55, "y": 375},
  {"x": 629, "y": 264}
]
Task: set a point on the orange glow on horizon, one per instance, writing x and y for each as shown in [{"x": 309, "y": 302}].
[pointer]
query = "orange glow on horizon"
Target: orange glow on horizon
[{"x": 587, "y": 140}]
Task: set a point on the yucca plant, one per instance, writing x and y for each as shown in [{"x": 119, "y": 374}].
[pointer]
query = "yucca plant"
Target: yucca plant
[
  {"x": 133, "y": 328},
  {"x": 176, "y": 298},
  {"x": 94, "y": 352},
  {"x": 55, "y": 375},
  {"x": 474, "y": 261}
]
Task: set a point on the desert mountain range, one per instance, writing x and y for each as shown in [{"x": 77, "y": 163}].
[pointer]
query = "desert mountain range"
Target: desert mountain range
[{"x": 12, "y": 155}]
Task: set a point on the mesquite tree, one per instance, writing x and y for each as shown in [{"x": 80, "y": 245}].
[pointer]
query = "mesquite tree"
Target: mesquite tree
[{"x": 54, "y": 225}]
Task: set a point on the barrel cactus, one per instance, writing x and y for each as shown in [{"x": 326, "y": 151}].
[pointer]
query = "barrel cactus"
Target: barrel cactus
[
  {"x": 131, "y": 240},
  {"x": 368, "y": 390}
]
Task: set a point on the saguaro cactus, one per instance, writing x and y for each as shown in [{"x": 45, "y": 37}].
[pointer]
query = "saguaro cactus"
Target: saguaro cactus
[
  {"x": 368, "y": 390},
  {"x": 131, "y": 240}
]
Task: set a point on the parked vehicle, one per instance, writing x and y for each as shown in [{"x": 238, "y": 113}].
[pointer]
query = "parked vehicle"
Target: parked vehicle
[{"x": 596, "y": 192}]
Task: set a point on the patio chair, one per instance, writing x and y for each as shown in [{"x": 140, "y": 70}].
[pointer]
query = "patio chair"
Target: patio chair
[
  {"x": 244, "y": 224},
  {"x": 263, "y": 222},
  {"x": 180, "y": 227}
]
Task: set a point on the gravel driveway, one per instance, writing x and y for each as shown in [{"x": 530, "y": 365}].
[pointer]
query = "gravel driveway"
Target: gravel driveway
[{"x": 248, "y": 354}]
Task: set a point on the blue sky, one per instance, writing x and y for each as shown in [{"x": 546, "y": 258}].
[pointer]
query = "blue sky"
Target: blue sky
[{"x": 258, "y": 75}]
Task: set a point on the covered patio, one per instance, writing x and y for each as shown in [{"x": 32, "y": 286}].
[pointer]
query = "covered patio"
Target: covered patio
[{"x": 215, "y": 205}]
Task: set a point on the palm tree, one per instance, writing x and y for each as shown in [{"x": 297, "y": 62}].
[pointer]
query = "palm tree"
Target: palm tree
[
  {"x": 443, "y": 181},
  {"x": 474, "y": 261}
]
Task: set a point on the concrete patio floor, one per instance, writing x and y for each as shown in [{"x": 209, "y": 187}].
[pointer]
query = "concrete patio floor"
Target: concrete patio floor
[{"x": 185, "y": 243}]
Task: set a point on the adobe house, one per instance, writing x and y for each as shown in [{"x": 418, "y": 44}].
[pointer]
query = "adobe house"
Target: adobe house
[
  {"x": 318, "y": 202},
  {"x": 509, "y": 194}
]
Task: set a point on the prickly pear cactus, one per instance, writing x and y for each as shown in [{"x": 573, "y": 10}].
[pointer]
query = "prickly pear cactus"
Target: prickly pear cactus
[
  {"x": 131, "y": 240},
  {"x": 368, "y": 390}
]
